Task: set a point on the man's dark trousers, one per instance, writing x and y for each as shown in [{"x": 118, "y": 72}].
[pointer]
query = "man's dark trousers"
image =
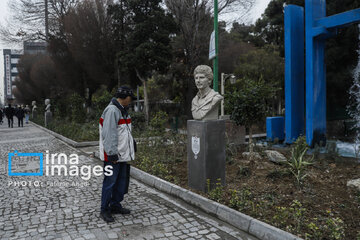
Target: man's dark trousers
[
  {"x": 10, "y": 121},
  {"x": 114, "y": 187},
  {"x": 21, "y": 122}
]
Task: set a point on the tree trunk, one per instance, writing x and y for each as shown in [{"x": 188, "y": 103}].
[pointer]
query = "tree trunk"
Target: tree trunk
[
  {"x": 251, "y": 148},
  {"x": 279, "y": 107},
  {"x": 146, "y": 99},
  {"x": 146, "y": 103}
]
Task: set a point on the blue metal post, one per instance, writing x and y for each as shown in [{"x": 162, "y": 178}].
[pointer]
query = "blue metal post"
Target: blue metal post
[
  {"x": 315, "y": 73},
  {"x": 294, "y": 73}
]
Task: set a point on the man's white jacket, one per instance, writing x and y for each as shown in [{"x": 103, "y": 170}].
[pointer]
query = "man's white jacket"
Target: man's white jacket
[{"x": 116, "y": 142}]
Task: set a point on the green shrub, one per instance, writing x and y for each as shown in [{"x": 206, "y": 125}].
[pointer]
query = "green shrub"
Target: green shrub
[
  {"x": 100, "y": 100},
  {"x": 76, "y": 131},
  {"x": 153, "y": 166},
  {"x": 77, "y": 108},
  {"x": 138, "y": 121},
  {"x": 158, "y": 122},
  {"x": 61, "y": 108}
]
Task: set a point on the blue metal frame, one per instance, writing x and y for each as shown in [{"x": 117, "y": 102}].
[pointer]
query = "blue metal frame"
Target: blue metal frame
[{"x": 318, "y": 28}]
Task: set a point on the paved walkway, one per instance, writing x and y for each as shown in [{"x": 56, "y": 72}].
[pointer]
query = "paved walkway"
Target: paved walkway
[{"x": 67, "y": 207}]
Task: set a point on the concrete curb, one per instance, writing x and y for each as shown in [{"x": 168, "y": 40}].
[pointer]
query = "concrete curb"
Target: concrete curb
[
  {"x": 65, "y": 139},
  {"x": 239, "y": 220}
]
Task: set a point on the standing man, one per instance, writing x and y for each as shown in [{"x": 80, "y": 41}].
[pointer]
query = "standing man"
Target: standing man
[
  {"x": 9, "y": 113},
  {"x": 20, "y": 114},
  {"x": 1, "y": 116},
  {"x": 116, "y": 146}
]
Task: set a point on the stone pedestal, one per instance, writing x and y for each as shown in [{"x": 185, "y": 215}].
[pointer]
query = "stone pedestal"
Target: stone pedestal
[
  {"x": 206, "y": 153},
  {"x": 48, "y": 118}
]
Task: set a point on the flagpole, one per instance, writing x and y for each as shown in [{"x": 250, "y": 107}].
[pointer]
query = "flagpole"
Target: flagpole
[{"x": 216, "y": 60}]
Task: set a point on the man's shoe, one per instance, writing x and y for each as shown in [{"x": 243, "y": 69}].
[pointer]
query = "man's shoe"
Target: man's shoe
[
  {"x": 119, "y": 210},
  {"x": 107, "y": 216}
]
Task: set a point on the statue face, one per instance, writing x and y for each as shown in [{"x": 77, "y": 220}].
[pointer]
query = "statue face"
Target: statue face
[{"x": 201, "y": 81}]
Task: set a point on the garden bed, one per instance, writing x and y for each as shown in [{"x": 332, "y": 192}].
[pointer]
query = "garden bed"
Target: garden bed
[{"x": 323, "y": 207}]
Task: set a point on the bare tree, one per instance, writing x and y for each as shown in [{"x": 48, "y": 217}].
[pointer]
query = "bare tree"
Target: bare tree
[
  {"x": 194, "y": 18},
  {"x": 28, "y": 19}
]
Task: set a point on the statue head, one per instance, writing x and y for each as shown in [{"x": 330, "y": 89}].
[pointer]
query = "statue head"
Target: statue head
[
  {"x": 47, "y": 101},
  {"x": 203, "y": 76},
  {"x": 33, "y": 103}
]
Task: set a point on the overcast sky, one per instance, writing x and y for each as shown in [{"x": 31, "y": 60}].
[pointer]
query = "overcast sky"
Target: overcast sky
[{"x": 254, "y": 14}]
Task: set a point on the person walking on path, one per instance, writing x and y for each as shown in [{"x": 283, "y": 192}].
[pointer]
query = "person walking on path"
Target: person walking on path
[
  {"x": 20, "y": 114},
  {"x": 9, "y": 113},
  {"x": 1, "y": 116},
  {"x": 27, "y": 114},
  {"x": 117, "y": 148}
]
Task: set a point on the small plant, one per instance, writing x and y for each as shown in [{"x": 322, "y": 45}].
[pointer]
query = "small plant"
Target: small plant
[
  {"x": 234, "y": 199},
  {"x": 160, "y": 169},
  {"x": 145, "y": 163},
  {"x": 297, "y": 214},
  {"x": 290, "y": 218},
  {"x": 243, "y": 200},
  {"x": 358, "y": 236},
  {"x": 326, "y": 228},
  {"x": 297, "y": 163},
  {"x": 281, "y": 217},
  {"x": 217, "y": 193},
  {"x": 244, "y": 171},
  {"x": 335, "y": 227},
  {"x": 315, "y": 234}
]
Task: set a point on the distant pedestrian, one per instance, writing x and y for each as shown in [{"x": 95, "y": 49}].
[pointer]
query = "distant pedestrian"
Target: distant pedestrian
[
  {"x": 1, "y": 116},
  {"x": 27, "y": 114},
  {"x": 9, "y": 113},
  {"x": 20, "y": 114}
]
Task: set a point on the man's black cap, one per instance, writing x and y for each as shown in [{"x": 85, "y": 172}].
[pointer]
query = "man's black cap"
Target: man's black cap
[{"x": 124, "y": 91}]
